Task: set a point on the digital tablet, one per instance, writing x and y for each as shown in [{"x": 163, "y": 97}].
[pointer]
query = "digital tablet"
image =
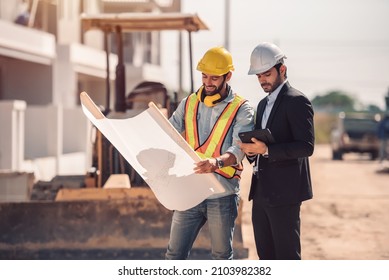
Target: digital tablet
[{"x": 263, "y": 135}]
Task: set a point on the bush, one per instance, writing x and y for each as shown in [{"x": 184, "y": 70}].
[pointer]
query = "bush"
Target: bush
[{"x": 324, "y": 123}]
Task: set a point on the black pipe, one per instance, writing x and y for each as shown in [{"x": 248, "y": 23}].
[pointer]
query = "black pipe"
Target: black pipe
[
  {"x": 190, "y": 62},
  {"x": 120, "y": 85},
  {"x": 107, "y": 80}
]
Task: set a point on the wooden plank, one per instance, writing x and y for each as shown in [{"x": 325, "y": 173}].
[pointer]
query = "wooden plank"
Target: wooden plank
[{"x": 130, "y": 22}]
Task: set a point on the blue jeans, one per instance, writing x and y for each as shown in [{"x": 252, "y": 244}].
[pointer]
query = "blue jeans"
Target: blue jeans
[{"x": 220, "y": 214}]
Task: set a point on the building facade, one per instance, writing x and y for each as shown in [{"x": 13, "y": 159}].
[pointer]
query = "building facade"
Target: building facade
[{"x": 46, "y": 60}]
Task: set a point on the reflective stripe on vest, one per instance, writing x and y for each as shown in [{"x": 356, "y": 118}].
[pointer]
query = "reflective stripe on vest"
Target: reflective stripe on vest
[{"x": 213, "y": 145}]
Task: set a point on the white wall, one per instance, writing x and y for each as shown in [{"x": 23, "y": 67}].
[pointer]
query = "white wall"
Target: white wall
[
  {"x": 57, "y": 141},
  {"x": 12, "y": 134},
  {"x": 76, "y": 131},
  {"x": 43, "y": 124},
  {"x": 27, "y": 81},
  {"x": 68, "y": 19},
  {"x": 9, "y": 9}
]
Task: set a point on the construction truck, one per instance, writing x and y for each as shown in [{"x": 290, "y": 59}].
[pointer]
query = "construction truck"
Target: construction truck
[{"x": 110, "y": 213}]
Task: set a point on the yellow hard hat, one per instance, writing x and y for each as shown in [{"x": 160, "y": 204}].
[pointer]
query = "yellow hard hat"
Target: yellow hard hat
[{"x": 216, "y": 61}]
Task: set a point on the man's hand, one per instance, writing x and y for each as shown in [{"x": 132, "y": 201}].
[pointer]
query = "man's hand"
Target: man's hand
[
  {"x": 252, "y": 149},
  {"x": 205, "y": 166}
]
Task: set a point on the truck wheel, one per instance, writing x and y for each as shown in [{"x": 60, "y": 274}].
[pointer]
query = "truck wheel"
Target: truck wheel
[
  {"x": 374, "y": 155},
  {"x": 337, "y": 155}
]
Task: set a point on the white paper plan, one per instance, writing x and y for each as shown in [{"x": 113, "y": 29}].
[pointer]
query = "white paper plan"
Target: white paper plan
[{"x": 158, "y": 153}]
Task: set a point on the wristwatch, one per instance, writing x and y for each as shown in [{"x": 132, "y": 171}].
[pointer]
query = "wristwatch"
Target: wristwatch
[{"x": 219, "y": 163}]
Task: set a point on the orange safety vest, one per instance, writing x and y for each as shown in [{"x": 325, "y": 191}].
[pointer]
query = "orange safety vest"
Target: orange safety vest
[{"x": 213, "y": 145}]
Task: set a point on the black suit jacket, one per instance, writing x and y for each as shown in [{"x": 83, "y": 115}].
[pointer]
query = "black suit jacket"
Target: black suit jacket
[{"x": 284, "y": 177}]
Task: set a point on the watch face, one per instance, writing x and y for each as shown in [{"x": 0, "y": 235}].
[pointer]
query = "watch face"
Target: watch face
[{"x": 220, "y": 163}]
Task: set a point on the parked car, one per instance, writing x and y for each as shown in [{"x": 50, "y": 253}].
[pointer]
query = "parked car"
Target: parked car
[{"x": 355, "y": 133}]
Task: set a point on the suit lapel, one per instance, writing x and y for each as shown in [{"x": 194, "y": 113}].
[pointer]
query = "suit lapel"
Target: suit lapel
[{"x": 260, "y": 110}]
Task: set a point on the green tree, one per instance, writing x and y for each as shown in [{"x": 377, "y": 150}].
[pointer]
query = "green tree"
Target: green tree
[
  {"x": 335, "y": 100},
  {"x": 373, "y": 108}
]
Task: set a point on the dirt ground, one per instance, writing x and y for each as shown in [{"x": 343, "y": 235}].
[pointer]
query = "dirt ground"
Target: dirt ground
[{"x": 348, "y": 218}]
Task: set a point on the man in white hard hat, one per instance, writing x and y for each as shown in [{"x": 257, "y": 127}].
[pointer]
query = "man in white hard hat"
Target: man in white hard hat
[{"x": 281, "y": 179}]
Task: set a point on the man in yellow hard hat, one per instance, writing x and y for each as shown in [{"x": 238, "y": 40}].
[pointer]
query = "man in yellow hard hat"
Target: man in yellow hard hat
[{"x": 211, "y": 119}]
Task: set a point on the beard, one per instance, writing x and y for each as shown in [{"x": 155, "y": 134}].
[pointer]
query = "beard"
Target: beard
[
  {"x": 214, "y": 90},
  {"x": 270, "y": 87}
]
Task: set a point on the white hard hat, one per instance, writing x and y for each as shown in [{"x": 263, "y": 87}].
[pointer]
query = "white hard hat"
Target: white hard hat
[{"x": 264, "y": 57}]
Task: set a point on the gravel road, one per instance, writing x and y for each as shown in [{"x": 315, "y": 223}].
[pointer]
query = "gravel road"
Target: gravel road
[{"x": 348, "y": 218}]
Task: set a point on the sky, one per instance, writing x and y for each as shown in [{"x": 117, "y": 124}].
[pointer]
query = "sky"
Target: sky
[{"x": 330, "y": 44}]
